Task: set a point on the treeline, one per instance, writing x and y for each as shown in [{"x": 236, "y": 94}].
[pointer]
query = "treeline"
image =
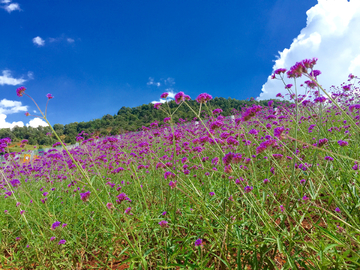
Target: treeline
[{"x": 126, "y": 119}]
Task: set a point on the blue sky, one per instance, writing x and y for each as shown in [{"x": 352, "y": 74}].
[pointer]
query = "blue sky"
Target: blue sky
[{"x": 96, "y": 57}]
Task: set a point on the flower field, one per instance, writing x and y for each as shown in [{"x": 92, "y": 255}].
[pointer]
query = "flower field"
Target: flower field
[{"x": 275, "y": 188}]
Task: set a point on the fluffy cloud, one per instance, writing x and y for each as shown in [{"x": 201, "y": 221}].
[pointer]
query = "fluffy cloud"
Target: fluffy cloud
[
  {"x": 14, "y": 6},
  {"x": 10, "y": 106},
  {"x": 38, "y": 41},
  {"x": 330, "y": 36},
  {"x": 7, "y": 79},
  {"x": 36, "y": 122},
  {"x": 4, "y": 124}
]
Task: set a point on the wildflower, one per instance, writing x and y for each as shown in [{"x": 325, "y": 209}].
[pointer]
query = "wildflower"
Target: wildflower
[
  {"x": 128, "y": 211},
  {"x": 163, "y": 213},
  {"x": 203, "y": 98},
  {"x": 322, "y": 142},
  {"x": 64, "y": 225},
  {"x": 167, "y": 119},
  {"x": 211, "y": 193},
  {"x": 217, "y": 111},
  {"x": 337, "y": 210},
  {"x": 61, "y": 242},
  {"x": 278, "y": 131},
  {"x": 266, "y": 181},
  {"x": 55, "y": 224},
  {"x": 52, "y": 238},
  {"x": 172, "y": 184},
  {"x": 227, "y": 158},
  {"x": 231, "y": 198},
  {"x": 20, "y": 91},
  {"x": 169, "y": 175},
  {"x": 179, "y": 97},
  {"x": 198, "y": 242},
  {"x": 85, "y": 196},
  {"x": 328, "y": 158},
  {"x": 248, "y": 189},
  {"x": 109, "y": 206},
  {"x": 122, "y": 197},
  {"x": 18, "y": 203},
  {"x": 164, "y": 95},
  {"x": 27, "y": 114},
  {"x": 305, "y": 198},
  {"x": 282, "y": 208},
  {"x": 157, "y": 105},
  {"x": 22, "y": 212},
  {"x": 49, "y": 96},
  {"x": 342, "y": 143},
  {"x": 302, "y": 181},
  {"x": 163, "y": 224}
]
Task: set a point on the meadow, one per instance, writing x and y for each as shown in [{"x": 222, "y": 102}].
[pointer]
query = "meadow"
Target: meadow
[{"x": 273, "y": 188}]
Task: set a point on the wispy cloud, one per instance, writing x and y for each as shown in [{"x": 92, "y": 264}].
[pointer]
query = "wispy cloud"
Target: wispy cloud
[
  {"x": 152, "y": 82},
  {"x": 6, "y": 78},
  {"x": 329, "y": 35},
  {"x": 38, "y": 41},
  {"x": 11, "y": 106},
  {"x": 30, "y": 75},
  {"x": 70, "y": 40}
]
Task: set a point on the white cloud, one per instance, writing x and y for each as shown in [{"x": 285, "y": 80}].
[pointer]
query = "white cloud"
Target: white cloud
[
  {"x": 10, "y": 106},
  {"x": 30, "y": 75},
  {"x": 331, "y": 37},
  {"x": 70, "y": 40},
  {"x": 5, "y": 1},
  {"x": 7, "y": 79},
  {"x": 151, "y": 82},
  {"x": 36, "y": 122},
  {"x": 10, "y": 8},
  {"x": 4, "y": 124},
  {"x": 38, "y": 41}
]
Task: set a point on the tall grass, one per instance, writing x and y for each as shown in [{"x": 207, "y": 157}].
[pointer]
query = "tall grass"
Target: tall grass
[{"x": 272, "y": 189}]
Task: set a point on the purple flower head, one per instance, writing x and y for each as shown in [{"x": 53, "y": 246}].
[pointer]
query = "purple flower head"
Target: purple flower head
[
  {"x": 328, "y": 158},
  {"x": 122, "y": 197},
  {"x": 315, "y": 73},
  {"x": 52, "y": 238},
  {"x": 199, "y": 242},
  {"x": 342, "y": 143},
  {"x": 27, "y": 114},
  {"x": 169, "y": 175},
  {"x": 172, "y": 184},
  {"x": 305, "y": 198},
  {"x": 179, "y": 97},
  {"x": 163, "y": 213},
  {"x": 203, "y": 98},
  {"x": 337, "y": 210},
  {"x": 217, "y": 111},
  {"x": 282, "y": 208},
  {"x": 163, "y": 224},
  {"x": 212, "y": 194},
  {"x": 22, "y": 212},
  {"x": 55, "y": 224},
  {"x": 270, "y": 103},
  {"x": 302, "y": 181},
  {"x": 15, "y": 182},
  {"x": 164, "y": 95},
  {"x": 248, "y": 189},
  {"x": 61, "y": 242},
  {"x": 64, "y": 225},
  {"x": 157, "y": 105},
  {"x": 266, "y": 181},
  {"x": 20, "y": 91},
  {"x": 227, "y": 159},
  {"x": 167, "y": 119},
  {"x": 85, "y": 196},
  {"x": 128, "y": 211},
  {"x": 109, "y": 206},
  {"x": 49, "y": 96},
  {"x": 278, "y": 131}
]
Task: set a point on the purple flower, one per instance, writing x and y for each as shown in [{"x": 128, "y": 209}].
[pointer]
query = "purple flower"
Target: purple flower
[
  {"x": 172, "y": 184},
  {"x": 342, "y": 143},
  {"x": 337, "y": 210},
  {"x": 122, "y": 197},
  {"x": 163, "y": 213},
  {"x": 164, "y": 95},
  {"x": 328, "y": 158},
  {"x": 157, "y": 105},
  {"x": 179, "y": 97},
  {"x": 85, "y": 196},
  {"x": 49, "y": 96},
  {"x": 128, "y": 211},
  {"x": 212, "y": 194},
  {"x": 199, "y": 242},
  {"x": 22, "y": 212},
  {"x": 109, "y": 205},
  {"x": 52, "y": 238},
  {"x": 266, "y": 181},
  {"x": 302, "y": 181},
  {"x": 55, "y": 224},
  {"x": 163, "y": 224},
  {"x": 61, "y": 242},
  {"x": 278, "y": 131},
  {"x": 282, "y": 208},
  {"x": 248, "y": 189},
  {"x": 64, "y": 225},
  {"x": 217, "y": 111},
  {"x": 20, "y": 91},
  {"x": 305, "y": 198},
  {"x": 203, "y": 98},
  {"x": 169, "y": 175}
]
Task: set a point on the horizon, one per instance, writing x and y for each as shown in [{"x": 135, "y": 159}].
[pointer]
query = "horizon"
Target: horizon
[{"x": 95, "y": 59}]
